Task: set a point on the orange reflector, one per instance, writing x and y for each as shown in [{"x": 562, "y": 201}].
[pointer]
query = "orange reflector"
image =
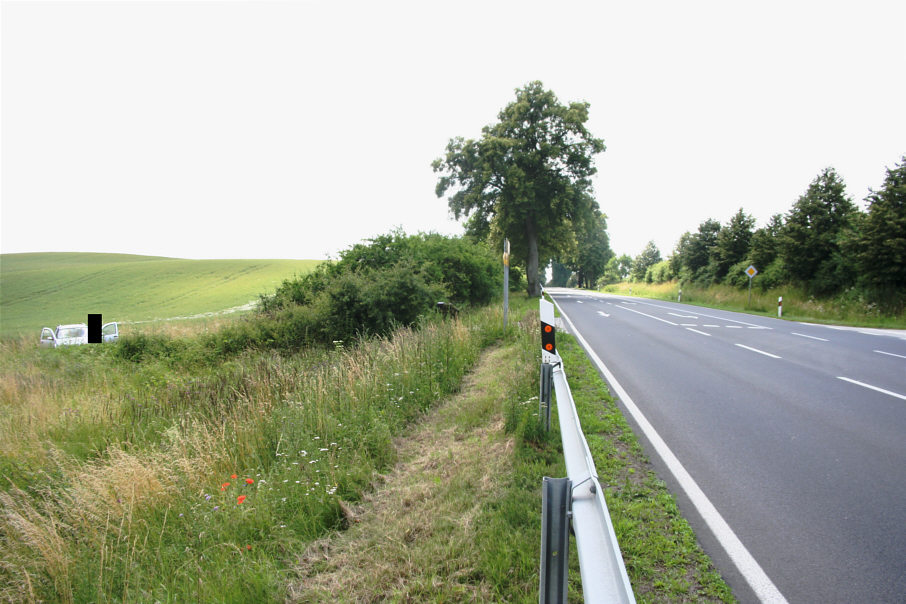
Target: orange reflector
[
  {"x": 548, "y": 328},
  {"x": 548, "y": 347}
]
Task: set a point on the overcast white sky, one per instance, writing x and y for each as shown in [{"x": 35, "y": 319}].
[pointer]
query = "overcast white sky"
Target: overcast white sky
[{"x": 295, "y": 129}]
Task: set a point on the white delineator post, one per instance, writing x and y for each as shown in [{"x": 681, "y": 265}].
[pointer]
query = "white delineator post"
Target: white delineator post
[{"x": 780, "y": 307}]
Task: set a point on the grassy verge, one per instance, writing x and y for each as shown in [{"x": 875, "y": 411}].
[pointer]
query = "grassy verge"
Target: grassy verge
[
  {"x": 172, "y": 480},
  {"x": 175, "y": 480},
  {"x": 663, "y": 559},
  {"x": 847, "y": 309},
  {"x": 458, "y": 519}
]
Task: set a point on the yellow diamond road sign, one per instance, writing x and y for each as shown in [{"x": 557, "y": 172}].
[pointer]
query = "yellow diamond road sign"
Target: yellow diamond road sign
[{"x": 751, "y": 271}]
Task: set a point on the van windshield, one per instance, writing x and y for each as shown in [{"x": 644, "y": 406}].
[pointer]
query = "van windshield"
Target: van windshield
[{"x": 72, "y": 332}]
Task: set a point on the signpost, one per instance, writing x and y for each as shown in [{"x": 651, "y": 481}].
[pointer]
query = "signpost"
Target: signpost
[
  {"x": 506, "y": 281},
  {"x": 751, "y": 272}
]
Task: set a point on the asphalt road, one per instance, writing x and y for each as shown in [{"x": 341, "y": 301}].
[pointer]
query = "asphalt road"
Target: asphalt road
[{"x": 796, "y": 434}]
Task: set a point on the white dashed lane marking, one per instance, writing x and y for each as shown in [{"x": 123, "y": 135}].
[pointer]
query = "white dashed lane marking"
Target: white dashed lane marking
[
  {"x": 899, "y": 356},
  {"x": 802, "y": 335},
  {"x": 767, "y": 354},
  {"x": 870, "y": 387}
]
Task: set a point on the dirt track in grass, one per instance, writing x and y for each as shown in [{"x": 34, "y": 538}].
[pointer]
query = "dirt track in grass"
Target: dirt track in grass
[{"x": 412, "y": 538}]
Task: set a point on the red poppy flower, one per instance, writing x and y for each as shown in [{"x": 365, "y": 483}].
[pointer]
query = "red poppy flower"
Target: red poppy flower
[
  {"x": 224, "y": 486},
  {"x": 248, "y": 547},
  {"x": 233, "y": 476},
  {"x": 249, "y": 481},
  {"x": 240, "y": 499}
]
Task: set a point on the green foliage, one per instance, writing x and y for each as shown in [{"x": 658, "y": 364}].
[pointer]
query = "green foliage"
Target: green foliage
[
  {"x": 560, "y": 274},
  {"x": 765, "y": 244},
  {"x": 618, "y": 268},
  {"x": 695, "y": 250},
  {"x": 376, "y": 285},
  {"x": 824, "y": 246},
  {"x": 647, "y": 258},
  {"x": 732, "y": 245},
  {"x": 527, "y": 178},
  {"x": 811, "y": 235},
  {"x": 659, "y": 272},
  {"x": 879, "y": 244},
  {"x": 592, "y": 252}
]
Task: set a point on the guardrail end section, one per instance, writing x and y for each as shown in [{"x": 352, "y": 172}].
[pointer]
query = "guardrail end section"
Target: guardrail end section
[{"x": 556, "y": 494}]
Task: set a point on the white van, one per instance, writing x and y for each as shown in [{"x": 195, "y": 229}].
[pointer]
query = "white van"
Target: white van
[{"x": 75, "y": 334}]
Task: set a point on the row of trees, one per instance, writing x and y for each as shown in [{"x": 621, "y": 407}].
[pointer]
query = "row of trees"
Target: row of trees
[{"x": 824, "y": 245}]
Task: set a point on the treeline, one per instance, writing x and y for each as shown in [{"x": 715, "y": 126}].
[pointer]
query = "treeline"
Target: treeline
[{"x": 825, "y": 246}]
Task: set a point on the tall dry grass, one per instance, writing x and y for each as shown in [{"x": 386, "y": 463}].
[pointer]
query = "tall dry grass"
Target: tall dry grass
[{"x": 115, "y": 473}]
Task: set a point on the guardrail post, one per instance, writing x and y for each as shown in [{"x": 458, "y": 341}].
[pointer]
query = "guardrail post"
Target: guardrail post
[
  {"x": 555, "y": 511},
  {"x": 544, "y": 401}
]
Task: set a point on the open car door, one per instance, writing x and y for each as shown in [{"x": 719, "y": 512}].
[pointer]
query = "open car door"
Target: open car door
[
  {"x": 48, "y": 340},
  {"x": 110, "y": 332}
]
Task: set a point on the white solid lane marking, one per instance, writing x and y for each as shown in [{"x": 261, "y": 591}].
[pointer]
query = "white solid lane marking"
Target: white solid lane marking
[
  {"x": 802, "y": 335},
  {"x": 701, "y": 332},
  {"x": 647, "y": 315},
  {"x": 869, "y": 386},
  {"x": 899, "y": 356},
  {"x": 758, "y": 580},
  {"x": 767, "y": 354}
]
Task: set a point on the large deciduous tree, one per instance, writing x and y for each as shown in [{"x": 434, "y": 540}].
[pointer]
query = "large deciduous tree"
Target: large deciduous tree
[{"x": 527, "y": 178}]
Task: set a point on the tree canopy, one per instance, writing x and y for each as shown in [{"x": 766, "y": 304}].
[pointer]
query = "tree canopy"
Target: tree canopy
[
  {"x": 527, "y": 178},
  {"x": 880, "y": 243},
  {"x": 825, "y": 246}
]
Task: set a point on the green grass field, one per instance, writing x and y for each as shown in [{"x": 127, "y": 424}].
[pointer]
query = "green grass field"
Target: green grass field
[{"x": 48, "y": 289}]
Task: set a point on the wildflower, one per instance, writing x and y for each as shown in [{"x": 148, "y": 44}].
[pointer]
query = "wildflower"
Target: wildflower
[
  {"x": 207, "y": 497},
  {"x": 224, "y": 486},
  {"x": 180, "y": 515},
  {"x": 240, "y": 499},
  {"x": 233, "y": 476},
  {"x": 216, "y": 507},
  {"x": 248, "y": 547},
  {"x": 249, "y": 481}
]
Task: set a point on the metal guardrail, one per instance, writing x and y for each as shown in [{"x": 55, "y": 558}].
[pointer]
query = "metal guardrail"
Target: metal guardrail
[{"x": 604, "y": 577}]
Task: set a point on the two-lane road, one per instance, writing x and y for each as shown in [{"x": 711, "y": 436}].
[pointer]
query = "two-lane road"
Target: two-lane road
[{"x": 795, "y": 433}]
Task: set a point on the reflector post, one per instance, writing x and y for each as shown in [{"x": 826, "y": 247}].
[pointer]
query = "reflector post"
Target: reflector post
[{"x": 548, "y": 333}]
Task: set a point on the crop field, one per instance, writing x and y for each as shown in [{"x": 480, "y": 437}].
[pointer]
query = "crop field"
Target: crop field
[{"x": 48, "y": 289}]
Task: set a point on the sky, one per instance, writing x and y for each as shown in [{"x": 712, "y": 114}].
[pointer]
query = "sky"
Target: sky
[{"x": 262, "y": 129}]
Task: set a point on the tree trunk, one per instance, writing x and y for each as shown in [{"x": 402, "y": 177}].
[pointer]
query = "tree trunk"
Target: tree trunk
[{"x": 531, "y": 265}]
